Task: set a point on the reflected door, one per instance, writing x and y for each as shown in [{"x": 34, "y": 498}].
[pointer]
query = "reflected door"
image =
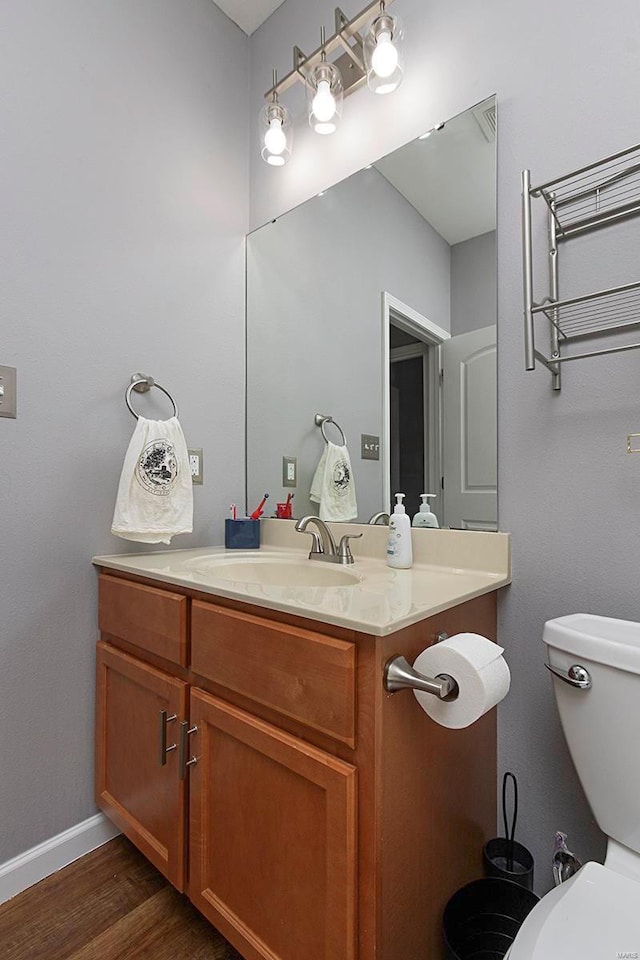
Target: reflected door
[
  {"x": 408, "y": 436},
  {"x": 470, "y": 430}
]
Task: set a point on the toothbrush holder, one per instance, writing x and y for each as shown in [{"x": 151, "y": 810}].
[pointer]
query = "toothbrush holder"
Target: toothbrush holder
[{"x": 242, "y": 534}]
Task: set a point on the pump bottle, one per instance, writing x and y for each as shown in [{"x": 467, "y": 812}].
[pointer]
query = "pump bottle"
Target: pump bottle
[
  {"x": 399, "y": 548},
  {"x": 424, "y": 517}
]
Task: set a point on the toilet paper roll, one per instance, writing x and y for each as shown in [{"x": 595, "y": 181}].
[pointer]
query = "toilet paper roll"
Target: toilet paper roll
[{"x": 479, "y": 669}]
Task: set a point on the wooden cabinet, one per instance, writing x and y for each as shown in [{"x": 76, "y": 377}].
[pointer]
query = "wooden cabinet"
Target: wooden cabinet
[
  {"x": 300, "y": 673},
  {"x": 327, "y": 819},
  {"x": 151, "y": 619},
  {"x": 147, "y": 801},
  {"x": 272, "y": 837}
]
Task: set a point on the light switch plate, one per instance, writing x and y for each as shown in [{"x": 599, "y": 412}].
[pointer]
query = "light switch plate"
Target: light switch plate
[
  {"x": 289, "y": 471},
  {"x": 8, "y": 393},
  {"x": 195, "y": 465},
  {"x": 369, "y": 446}
]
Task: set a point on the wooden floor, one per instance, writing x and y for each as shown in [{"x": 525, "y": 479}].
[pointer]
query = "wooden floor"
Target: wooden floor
[{"x": 110, "y": 905}]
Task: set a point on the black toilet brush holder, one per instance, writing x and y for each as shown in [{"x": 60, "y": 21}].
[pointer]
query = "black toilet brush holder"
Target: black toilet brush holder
[
  {"x": 508, "y": 861},
  {"x": 504, "y": 857}
]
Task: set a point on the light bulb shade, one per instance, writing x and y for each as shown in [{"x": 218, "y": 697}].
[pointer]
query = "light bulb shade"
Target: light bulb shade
[
  {"x": 324, "y": 97},
  {"x": 275, "y": 133},
  {"x": 384, "y": 53}
]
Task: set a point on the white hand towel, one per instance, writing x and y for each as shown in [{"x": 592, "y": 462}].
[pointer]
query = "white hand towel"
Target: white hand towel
[
  {"x": 155, "y": 493},
  {"x": 315, "y": 493},
  {"x": 333, "y": 485}
]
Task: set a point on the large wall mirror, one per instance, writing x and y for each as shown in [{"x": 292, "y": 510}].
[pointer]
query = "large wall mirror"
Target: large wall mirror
[{"x": 374, "y": 303}]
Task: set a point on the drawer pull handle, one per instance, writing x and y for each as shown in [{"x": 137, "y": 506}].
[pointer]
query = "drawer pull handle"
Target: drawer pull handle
[
  {"x": 163, "y": 749},
  {"x": 183, "y": 763}
]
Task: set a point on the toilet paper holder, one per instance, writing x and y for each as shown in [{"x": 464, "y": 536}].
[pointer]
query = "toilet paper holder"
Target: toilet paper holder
[{"x": 400, "y": 675}]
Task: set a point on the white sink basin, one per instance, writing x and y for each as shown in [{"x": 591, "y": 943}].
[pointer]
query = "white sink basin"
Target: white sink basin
[{"x": 269, "y": 571}]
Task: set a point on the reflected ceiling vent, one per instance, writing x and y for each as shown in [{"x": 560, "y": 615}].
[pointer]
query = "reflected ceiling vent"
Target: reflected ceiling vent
[{"x": 487, "y": 120}]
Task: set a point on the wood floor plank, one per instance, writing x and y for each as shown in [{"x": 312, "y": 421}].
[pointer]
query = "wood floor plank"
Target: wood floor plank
[
  {"x": 56, "y": 916},
  {"x": 110, "y": 905},
  {"x": 164, "y": 927}
]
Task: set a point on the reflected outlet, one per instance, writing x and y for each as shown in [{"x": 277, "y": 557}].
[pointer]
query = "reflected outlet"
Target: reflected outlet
[{"x": 289, "y": 471}]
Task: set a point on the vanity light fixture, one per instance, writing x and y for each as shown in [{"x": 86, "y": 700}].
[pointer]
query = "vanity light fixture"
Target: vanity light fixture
[
  {"x": 383, "y": 52},
  {"x": 339, "y": 66},
  {"x": 275, "y": 130},
  {"x": 324, "y": 93}
]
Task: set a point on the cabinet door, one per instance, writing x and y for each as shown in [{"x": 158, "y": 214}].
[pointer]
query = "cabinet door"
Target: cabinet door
[
  {"x": 145, "y": 799},
  {"x": 272, "y": 837}
]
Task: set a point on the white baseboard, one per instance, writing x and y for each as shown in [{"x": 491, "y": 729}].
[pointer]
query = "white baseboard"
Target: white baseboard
[{"x": 41, "y": 861}]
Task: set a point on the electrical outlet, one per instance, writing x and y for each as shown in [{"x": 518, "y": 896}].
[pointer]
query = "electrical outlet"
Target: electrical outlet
[
  {"x": 195, "y": 465},
  {"x": 289, "y": 471}
]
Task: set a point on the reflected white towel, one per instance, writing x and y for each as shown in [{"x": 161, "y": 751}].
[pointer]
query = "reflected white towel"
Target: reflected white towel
[
  {"x": 333, "y": 486},
  {"x": 155, "y": 493}
]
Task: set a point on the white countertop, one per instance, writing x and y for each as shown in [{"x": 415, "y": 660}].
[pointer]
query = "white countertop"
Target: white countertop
[{"x": 450, "y": 567}]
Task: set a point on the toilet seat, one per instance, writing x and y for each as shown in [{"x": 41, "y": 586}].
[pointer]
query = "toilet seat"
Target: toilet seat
[{"x": 594, "y": 915}]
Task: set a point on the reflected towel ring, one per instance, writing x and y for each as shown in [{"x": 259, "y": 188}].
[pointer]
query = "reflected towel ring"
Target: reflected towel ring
[
  {"x": 141, "y": 383},
  {"x": 320, "y": 420}
]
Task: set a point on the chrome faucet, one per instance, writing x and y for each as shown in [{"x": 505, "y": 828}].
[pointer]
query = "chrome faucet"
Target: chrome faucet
[
  {"x": 381, "y": 517},
  {"x": 323, "y": 546}
]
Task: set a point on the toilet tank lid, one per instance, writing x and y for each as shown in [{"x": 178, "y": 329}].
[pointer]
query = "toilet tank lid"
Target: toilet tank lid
[{"x": 601, "y": 639}]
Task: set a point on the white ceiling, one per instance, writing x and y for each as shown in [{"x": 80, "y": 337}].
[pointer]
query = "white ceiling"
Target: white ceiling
[
  {"x": 248, "y": 14},
  {"x": 449, "y": 178}
]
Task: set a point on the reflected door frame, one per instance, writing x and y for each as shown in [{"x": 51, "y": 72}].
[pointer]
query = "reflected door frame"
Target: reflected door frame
[{"x": 403, "y": 316}]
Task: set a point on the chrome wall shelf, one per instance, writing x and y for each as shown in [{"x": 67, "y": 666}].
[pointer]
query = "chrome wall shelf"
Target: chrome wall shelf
[{"x": 599, "y": 195}]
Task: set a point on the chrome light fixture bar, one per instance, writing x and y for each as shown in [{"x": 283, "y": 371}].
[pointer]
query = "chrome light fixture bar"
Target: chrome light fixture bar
[{"x": 375, "y": 57}]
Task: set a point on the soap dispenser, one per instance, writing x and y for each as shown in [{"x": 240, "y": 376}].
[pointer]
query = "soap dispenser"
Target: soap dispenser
[
  {"x": 399, "y": 549},
  {"x": 424, "y": 517}
]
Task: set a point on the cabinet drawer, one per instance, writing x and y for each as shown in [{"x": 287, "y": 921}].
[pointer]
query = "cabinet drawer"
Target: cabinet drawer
[
  {"x": 154, "y": 620},
  {"x": 304, "y": 675}
]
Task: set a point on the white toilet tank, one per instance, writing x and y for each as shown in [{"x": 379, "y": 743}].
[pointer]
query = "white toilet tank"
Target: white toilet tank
[{"x": 602, "y": 723}]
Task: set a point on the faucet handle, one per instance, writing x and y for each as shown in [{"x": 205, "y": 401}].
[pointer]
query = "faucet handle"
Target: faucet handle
[{"x": 344, "y": 550}]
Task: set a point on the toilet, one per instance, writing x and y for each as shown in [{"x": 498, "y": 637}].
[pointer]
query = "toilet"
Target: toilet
[{"x": 595, "y": 664}]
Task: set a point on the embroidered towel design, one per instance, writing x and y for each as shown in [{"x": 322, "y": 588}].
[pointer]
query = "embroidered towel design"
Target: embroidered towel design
[
  {"x": 333, "y": 486},
  {"x": 155, "y": 493}
]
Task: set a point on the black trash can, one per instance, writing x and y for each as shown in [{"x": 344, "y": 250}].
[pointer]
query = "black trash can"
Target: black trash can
[{"x": 481, "y": 920}]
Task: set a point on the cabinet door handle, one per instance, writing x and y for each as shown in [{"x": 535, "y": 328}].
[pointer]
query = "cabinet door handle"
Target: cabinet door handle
[
  {"x": 163, "y": 749},
  {"x": 183, "y": 763}
]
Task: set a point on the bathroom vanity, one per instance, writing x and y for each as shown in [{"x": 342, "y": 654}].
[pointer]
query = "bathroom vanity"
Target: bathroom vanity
[{"x": 247, "y": 746}]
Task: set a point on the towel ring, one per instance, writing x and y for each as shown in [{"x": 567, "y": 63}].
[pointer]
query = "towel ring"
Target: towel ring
[
  {"x": 320, "y": 420},
  {"x": 141, "y": 383}
]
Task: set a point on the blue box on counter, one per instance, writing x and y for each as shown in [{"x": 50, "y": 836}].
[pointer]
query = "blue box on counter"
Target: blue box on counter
[{"x": 242, "y": 534}]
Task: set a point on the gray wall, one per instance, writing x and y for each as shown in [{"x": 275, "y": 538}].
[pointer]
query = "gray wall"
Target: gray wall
[
  {"x": 473, "y": 284},
  {"x": 124, "y": 184},
  {"x": 314, "y": 328},
  {"x": 568, "y": 492}
]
